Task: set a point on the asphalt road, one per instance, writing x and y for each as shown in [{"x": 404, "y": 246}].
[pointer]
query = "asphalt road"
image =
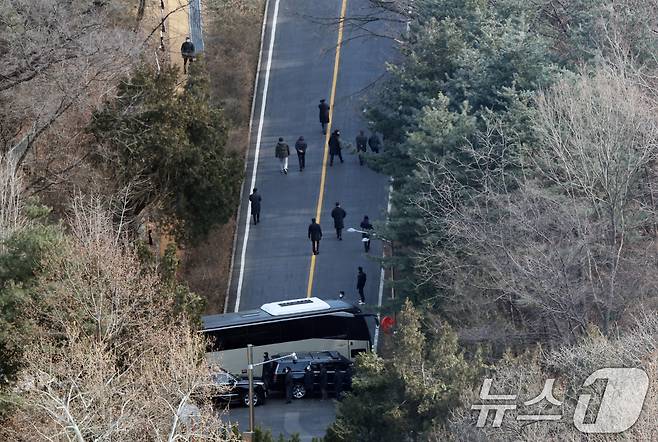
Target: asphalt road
[
  {"x": 274, "y": 261},
  {"x": 307, "y": 417}
]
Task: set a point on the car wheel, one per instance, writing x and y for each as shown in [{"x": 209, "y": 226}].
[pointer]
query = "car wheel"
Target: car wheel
[
  {"x": 257, "y": 400},
  {"x": 298, "y": 391}
]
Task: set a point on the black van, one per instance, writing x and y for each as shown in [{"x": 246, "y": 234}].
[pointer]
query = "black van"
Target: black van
[{"x": 332, "y": 361}]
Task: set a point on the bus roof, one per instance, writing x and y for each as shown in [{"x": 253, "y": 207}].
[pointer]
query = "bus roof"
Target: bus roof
[{"x": 280, "y": 310}]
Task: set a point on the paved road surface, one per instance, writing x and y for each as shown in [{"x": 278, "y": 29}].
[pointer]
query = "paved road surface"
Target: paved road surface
[
  {"x": 276, "y": 262},
  {"x": 308, "y": 418}
]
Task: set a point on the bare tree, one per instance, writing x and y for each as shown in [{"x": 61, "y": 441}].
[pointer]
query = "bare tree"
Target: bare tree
[
  {"x": 111, "y": 359},
  {"x": 569, "y": 240}
]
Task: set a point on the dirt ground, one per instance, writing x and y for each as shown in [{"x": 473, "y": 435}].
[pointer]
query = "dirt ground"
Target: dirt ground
[{"x": 232, "y": 41}]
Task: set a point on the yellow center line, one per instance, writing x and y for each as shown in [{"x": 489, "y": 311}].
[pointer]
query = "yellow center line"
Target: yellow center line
[{"x": 323, "y": 176}]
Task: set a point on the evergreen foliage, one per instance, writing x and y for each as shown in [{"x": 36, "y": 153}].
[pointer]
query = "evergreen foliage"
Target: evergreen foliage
[{"x": 166, "y": 149}]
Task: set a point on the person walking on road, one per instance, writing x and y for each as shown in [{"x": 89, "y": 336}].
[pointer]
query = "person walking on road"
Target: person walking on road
[
  {"x": 374, "y": 142},
  {"x": 300, "y": 147},
  {"x": 339, "y": 214},
  {"x": 335, "y": 147},
  {"x": 323, "y": 382},
  {"x": 315, "y": 235},
  {"x": 366, "y": 226},
  {"x": 255, "y": 199},
  {"x": 360, "y": 285},
  {"x": 361, "y": 145},
  {"x": 187, "y": 51},
  {"x": 324, "y": 115},
  {"x": 288, "y": 383},
  {"x": 282, "y": 152}
]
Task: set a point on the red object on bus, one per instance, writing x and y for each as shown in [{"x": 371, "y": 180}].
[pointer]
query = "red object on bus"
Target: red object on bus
[{"x": 387, "y": 323}]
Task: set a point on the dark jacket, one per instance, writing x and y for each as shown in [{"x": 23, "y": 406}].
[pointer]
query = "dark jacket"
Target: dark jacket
[
  {"x": 187, "y": 48},
  {"x": 323, "y": 378},
  {"x": 288, "y": 379},
  {"x": 374, "y": 142},
  {"x": 334, "y": 143},
  {"x": 360, "y": 280},
  {"x": 282, "y": 150},
  {"x": 314, "y": 232},
  {"x": 365, "y": 225},
  {"x": 255, "y": 198},
  {"x": 338, "y": 214},
  {"x": 300, "y": 147},
  {"x": 324, "y": 112},
  {"x": 308, "y": 380},
  {"x": 361, "y": 143}
]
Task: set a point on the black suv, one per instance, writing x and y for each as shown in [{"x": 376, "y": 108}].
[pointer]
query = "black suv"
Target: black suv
[
  {"x": 232, "y": 389},
  {"x": 332, "y": 361}
]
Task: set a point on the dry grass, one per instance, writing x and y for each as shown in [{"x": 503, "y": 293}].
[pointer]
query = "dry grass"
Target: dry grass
[{"x": 232, "y": 43}]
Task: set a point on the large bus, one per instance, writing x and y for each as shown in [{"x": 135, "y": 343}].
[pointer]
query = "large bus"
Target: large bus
[{"x": 308, "y": 324}]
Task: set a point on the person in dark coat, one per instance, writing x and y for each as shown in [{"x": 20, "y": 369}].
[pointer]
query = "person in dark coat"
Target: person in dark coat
[
  {"x": 339, "y": 378},
  {"x": 282, "y": 152},
  {"x": 288, "y": 383},
  {"x": 308, "y": 380},
  {"x": 323, "y": 382},
  {"x": 339, "y": 214},
  {"x": 360, "y": 285},
  {"x": 255, "y": 199},
  {"x": 267, "y": 369},
  {"x": 361, "y": 145},
  {"x": 324, "y": 115},
  {"x": 366, "y": 226},
  {"x": 374, "y": 142},
  {"x": 334, "y": 147},
  {"x": 300, "y": 147},
  {"x": 187, "y": 51},
  {"x": 315, "y": 235}
]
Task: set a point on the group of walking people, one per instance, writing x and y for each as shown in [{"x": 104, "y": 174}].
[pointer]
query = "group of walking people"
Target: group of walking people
[{"x": 282, "y": 153}]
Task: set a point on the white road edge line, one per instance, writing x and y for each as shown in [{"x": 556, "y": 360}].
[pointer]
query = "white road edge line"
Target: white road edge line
[
  {"x": 246, "y": 153},
  {"x": 382, "y": 275},
  {"x": 256, "y": 154}
]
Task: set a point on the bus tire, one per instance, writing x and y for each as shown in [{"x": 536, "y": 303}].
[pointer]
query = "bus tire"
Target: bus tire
[{"x": 298, "y": 391}]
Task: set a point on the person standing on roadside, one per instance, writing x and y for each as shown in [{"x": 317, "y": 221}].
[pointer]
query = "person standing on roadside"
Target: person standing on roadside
[
  {"x": 288, "y": 383},
  {"x": 366, "y": 226},
  {"x": 339, "y": 378},
  {"x": 267, "y": 369},
  {"x": 374, "y": 142},
  {"x": 323, "y": 382},
  {"x": 315, "y": 235},
  {"x": 300, "y": 147},
  {"x": 335, "y": 147},
  {"x": 324, "y": 115},
  {"x": 361, "y": 145},
  {"x": 282, "y": 152},
  {"x": 187, "y": 51},
  {"x": 360, "y": 285},
  {"x": 308, "y": 380},
  {"x": 339, "y": 214},
  {"x": 255, "y": 199}
]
